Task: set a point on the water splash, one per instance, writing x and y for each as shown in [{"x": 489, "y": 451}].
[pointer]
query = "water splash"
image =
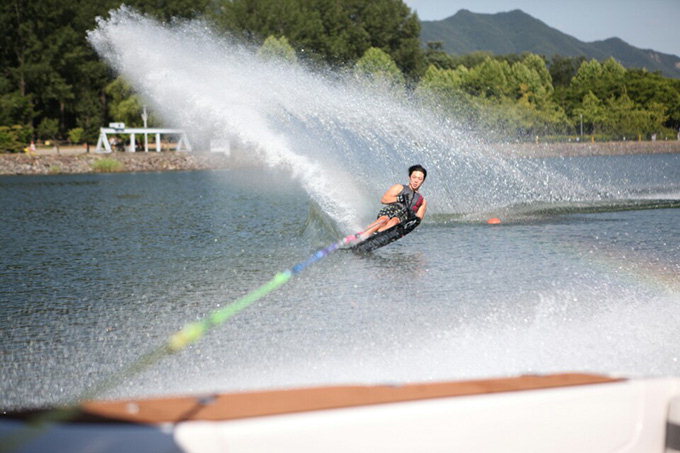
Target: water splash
[{"x": 344, "y": 142}]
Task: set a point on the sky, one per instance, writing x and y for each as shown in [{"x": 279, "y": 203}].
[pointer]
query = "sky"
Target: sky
[{"x": 646, "y": 24}]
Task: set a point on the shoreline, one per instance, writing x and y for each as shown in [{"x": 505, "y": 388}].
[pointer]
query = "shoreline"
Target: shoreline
[
  {"x": 587, "y": 148},
  {"x": 75, "y": 160},
  {"x": 51, "y": 163}
]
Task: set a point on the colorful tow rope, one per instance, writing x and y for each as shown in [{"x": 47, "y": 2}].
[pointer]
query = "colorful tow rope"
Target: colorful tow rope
[
  {"x": 192, "y": 332},
  {"x": 180, "y": 340}
]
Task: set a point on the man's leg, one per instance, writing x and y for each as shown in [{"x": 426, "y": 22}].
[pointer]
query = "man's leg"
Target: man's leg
[
  {"x": 389, "y": 224},
  {"x": 372, "y": 228}
]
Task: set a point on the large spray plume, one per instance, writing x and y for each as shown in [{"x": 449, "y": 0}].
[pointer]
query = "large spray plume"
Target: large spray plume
[{"x": 344, "y": 142}]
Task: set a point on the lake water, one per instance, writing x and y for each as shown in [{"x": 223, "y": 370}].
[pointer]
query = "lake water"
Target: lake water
[{"x": 98, "y": 269}]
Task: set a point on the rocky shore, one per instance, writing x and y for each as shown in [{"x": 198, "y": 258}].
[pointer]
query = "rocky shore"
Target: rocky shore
[
  {"x": 76, "y": 160},
  {"x": 43, "y": 164}
]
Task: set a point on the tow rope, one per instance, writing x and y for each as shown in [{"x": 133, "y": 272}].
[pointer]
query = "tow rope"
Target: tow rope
[
  {"x": 192, "y": 332},
  {"x": 189, "y": 334}
]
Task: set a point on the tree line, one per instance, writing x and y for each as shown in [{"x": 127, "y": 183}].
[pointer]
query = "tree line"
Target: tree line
[
  {"x": 53, "y": 86},
  {"x": 527, "y": 96}
]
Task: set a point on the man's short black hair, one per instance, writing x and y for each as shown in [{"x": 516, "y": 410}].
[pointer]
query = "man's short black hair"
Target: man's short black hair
[{"x": 417, "y": 167}]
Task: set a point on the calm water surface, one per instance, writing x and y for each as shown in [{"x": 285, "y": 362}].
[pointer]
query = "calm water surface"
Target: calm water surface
[{"x": 95, "y": 270}]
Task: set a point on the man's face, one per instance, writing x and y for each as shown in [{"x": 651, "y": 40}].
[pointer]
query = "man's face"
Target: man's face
[{"x": 416, "y": 179}]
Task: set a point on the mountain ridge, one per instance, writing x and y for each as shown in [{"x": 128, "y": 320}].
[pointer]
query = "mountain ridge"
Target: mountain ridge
[{"x": 515, "y": 32}]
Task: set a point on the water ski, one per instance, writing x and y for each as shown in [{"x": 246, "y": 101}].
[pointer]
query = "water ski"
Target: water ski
[{"x": 385, "y": 237}]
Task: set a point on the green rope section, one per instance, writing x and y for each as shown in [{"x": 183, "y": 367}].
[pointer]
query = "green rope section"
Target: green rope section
[{"x": 194, "y": 331}]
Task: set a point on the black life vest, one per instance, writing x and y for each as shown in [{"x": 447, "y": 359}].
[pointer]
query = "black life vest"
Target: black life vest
[{"x": 413, "y": 200}]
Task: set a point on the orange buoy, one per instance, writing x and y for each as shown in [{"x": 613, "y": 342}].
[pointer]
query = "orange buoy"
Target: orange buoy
[{"x": 493, "y": 221}]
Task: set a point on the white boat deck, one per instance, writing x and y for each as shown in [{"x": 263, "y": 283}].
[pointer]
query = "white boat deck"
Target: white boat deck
[{"x": 553, "y": 413}]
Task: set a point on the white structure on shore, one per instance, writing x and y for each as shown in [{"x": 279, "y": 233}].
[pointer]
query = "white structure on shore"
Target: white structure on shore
[{"x": 115, "y": 129}]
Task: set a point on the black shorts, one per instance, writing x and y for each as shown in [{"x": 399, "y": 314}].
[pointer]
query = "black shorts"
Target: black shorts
[{"x": 394, "y": 210}]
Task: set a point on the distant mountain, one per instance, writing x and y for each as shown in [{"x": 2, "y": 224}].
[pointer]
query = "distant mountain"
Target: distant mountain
[{"x": 517, "y": 32}]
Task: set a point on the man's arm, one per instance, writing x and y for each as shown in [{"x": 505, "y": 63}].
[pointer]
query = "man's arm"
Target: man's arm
[
  {"x": 421, "y": 211},
  {"x": 392, "y": 193}
]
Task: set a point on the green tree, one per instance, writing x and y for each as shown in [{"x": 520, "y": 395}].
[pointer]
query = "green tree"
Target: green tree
[
  {"x": 473, "y": 59},
  {"x": 44, "y": 56},
  {"x": 13, "y": 139},
  {"x": 540, "y": 78},
  {"x": 48, "y": 129},
  {"x": 90, "y": 115},
  {"x": 76, "y": 135},
  {"x": 605, "y": 80},
  {"x": 588, "y": 77},
  {"x": 378, "y": 68},
  {"x": 16, "y": 109},
  {"x": 658, "y": 118},
  {"x": 167, "y": 10},
  {"x": 489, "y": 79},
  {"x": 526, "y": 83},
  {"x": 435, "y": 56},
  {"x": 648, "y": 89},
  {"x": 563, "y": 69},
  {"x": 443, "y": 90},
  {"x": 592, "y": 112},
  {"x": 497, "y": 98},
  {"x": 394, "y": 28},
  {"x": 337, "y": 33},
  {"x": 277, "y": 48},
  {"x": 443, "y": 82},
  {"x": 124, "y": 106},
  {"x": 625, "y": 118},
  {"x": 48, "y": 68}
]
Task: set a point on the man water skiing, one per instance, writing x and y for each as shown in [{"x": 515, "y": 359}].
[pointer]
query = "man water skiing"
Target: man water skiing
[{"x": 403, "y": 202}]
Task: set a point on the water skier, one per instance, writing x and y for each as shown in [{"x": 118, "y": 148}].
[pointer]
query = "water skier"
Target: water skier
[{"x": 403, "y": 202}]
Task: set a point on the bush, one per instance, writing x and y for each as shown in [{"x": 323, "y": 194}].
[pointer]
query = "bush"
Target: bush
[
  {"x": 107, "y": 165},
  {"x": 76, "y": 135},
  {"x": 48, "y": 129},
  {"x": 13, "y": 139}
]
